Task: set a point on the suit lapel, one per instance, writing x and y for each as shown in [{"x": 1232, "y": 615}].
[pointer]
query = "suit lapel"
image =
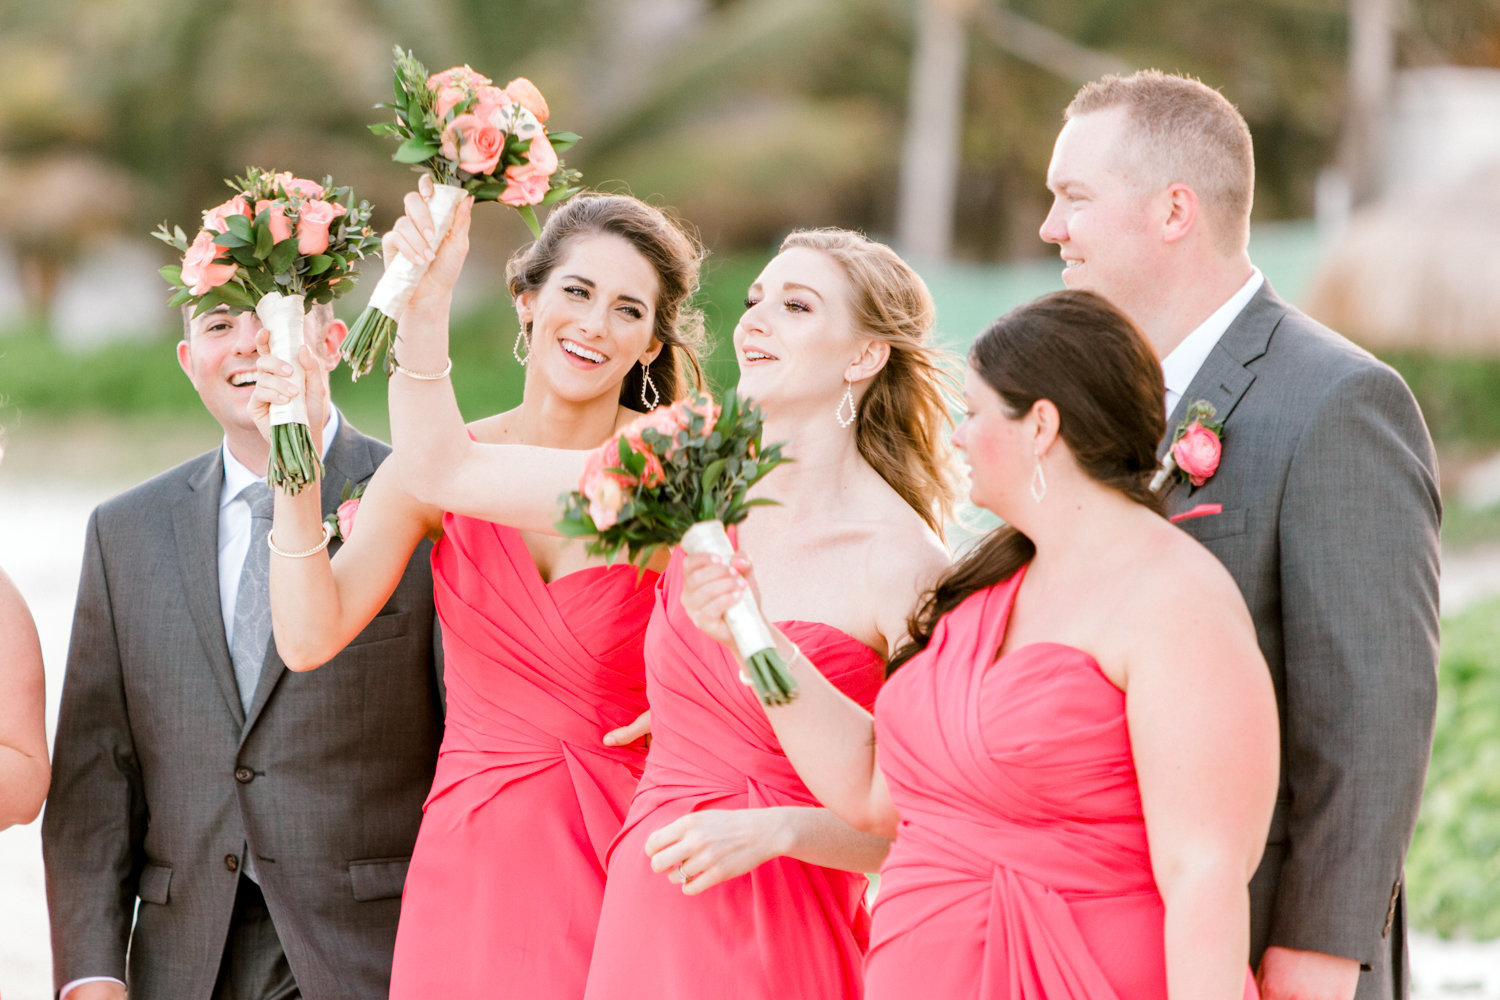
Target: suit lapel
[
  {"x": 195, "y": 524},
  {"x": 1226, "y": 373},
  {"x": 349, "y": 459}
]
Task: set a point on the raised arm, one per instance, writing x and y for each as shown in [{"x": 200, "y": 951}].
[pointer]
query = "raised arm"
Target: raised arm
[
  {"x": 24, "y": 772},
  {"x": 1203, "y": 732},
  {"x": 828, "y": 737},
  {"x": 439, "y": 463}
]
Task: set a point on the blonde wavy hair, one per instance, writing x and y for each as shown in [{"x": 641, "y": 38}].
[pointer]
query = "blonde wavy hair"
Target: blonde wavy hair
[{"x": 907, "y": 408}]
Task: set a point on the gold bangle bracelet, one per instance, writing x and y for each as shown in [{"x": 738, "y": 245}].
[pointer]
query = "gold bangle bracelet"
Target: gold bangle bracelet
[
  {"x": 424, "y": 376},
  {"x": 327, "y": 537}
]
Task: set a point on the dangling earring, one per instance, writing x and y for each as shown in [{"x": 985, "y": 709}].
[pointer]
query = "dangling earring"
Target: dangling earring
[
  {"x": 1038, "y": 481},
  {"x": 516, "y": 348},
  {"x": 654, "y": 400},
  {"x": 847, "y": 397}
]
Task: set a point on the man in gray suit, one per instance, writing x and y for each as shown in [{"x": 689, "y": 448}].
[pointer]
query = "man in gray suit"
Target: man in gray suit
[
  {"x": 1324, "y": 507},
  {"x": 263, "y": 819}
]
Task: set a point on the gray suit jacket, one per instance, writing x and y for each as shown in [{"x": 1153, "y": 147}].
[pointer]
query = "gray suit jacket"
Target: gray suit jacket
[
  {"x": 1328, "y": 484},
  {"x": 159, "y": 780}
]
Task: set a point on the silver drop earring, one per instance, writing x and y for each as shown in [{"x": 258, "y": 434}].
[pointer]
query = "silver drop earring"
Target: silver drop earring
[
  {"x": 516, "y": 348},
  {"x": 1038, "y": 481},
  {"x": 847, "y": 397},
  {"x": 654, "y": 400}
]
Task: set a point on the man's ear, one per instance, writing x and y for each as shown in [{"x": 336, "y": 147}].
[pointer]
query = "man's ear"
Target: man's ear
[
  {"x": 185, "y": 358},
  {"x": 332, "y": 339},
  {"x": 1182, "y": 212}
]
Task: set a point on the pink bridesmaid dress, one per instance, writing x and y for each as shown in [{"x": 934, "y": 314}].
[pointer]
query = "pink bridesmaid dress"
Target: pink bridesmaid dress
[
  {"x": 507, "y": 875},
  {"x": 1020, "y": 869},
  {"x": 785, "y": 929}
]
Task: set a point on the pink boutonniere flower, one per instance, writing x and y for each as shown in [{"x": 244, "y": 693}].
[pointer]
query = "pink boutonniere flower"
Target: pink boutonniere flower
[
  {"x": 342, "y": 519},
  {"x": 1197, "y": 446}
]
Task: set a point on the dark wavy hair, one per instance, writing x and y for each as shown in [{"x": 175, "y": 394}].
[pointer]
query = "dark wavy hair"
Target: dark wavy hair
[
  {"x": 673, "y": 252},
  {"x": 1090, "y": 361}
]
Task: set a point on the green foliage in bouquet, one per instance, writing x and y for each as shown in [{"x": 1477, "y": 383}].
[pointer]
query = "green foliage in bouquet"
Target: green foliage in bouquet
[
  {"x": 278, "y": 233},
  {"x": 668, "y": 470}
]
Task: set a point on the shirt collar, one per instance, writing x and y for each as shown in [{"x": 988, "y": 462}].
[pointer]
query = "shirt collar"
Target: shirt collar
[
  {"x": 237, "y": 475},
  {"x": 1180, "y": 366}
]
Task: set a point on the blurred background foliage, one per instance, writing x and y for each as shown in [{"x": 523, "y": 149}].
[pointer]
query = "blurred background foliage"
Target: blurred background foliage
[{"x": 749, "y": 117}]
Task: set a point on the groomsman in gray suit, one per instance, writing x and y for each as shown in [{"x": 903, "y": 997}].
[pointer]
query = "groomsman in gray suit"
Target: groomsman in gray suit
[
  {"x": 217, "y": 826},
  {"x": 1324, "y": 506}
]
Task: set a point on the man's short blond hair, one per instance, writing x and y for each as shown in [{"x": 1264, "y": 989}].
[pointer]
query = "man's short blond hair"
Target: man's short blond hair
[{"x": 1180, "y": 130}]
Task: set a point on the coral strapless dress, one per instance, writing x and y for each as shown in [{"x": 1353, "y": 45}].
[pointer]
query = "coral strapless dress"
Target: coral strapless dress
[
  {"x": 1021, "y": 869},
  {"x": 507, "y": 876},
  {"x": 785, "y": 929}
]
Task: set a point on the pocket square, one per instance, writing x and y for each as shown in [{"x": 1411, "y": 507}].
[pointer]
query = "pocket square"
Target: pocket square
[{"x": 1202, "y": 510}]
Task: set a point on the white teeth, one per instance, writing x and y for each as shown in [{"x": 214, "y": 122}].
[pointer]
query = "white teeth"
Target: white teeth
[
  {"x": 243, "y": 378},
  {"x": 582, "y": 352},
  {"x": 1067, "y": 263},
  {"x": 759, "y": 356}
]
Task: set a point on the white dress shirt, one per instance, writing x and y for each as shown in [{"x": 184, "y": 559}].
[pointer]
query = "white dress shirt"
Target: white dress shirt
[{"x": 1180, "y": 367}]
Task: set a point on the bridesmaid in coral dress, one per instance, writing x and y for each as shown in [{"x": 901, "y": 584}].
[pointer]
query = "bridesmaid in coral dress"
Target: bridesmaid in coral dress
[
  {"x": 1079, "y": 756},
  {"x": 542, "y": 646},
  {"x": 725, "y": 881}
]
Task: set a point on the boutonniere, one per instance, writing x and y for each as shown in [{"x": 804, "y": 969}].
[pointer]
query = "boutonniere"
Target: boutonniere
[
  {"x": 1196, "y": 447},
  {"x": 341, "y": 521}
]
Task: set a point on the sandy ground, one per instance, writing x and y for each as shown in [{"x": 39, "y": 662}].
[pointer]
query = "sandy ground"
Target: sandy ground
[{"x": 41, "y": 543}]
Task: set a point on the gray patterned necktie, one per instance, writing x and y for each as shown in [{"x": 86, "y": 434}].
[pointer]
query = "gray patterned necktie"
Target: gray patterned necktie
[{"x": 252, "y": 606}]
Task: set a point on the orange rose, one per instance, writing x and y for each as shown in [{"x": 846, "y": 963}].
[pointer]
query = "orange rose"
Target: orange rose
[
  {"x": 527, "y": 186},
  {"x": 216, "y": 218},
  {"x": 475, "y": 144},
  {"x": 297, "y": 185},
  {"x": 542, "y": 156},
  {"x": 281, "y": 228},
  {"x": 201, "y": 270},
  {"x": 524, "y": 93},
  {"x": 313, "y": 220}
]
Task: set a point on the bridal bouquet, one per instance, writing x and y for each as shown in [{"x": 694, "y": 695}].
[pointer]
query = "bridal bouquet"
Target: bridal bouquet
[
  {"x": 474, "y": 138},
  {"x": 279, "y": 245},
  {"x": 680, "y": 474}
]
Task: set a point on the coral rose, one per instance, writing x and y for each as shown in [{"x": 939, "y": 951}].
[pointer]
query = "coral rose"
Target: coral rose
[
  {"x": 524, "y": 93},
  {"x": 1197, "y": 453},
  {"x": 298, "y": 185},
  {"x": 281, "y": 227},
  {"x": 527, "y": 186},
  {"x": 345, "y": 515},
  {"x": 217, "y": 218},
  {"x": 474, "y": 143},
  {"x": 457, "y": 76},
  {"x": 542, "y": 156},
  {"x": 200, "y": 271},
  {"x": 313, "y": 220},
  {"x": 447, "y": 99},
  {"x": 490, "y": 103}
]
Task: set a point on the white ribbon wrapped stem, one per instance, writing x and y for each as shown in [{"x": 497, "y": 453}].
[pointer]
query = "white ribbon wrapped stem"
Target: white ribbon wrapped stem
[
  {"x": 281, "y": 315},
  {"x": 395, "y": 287},
  {"x": 746, "y": 624}
]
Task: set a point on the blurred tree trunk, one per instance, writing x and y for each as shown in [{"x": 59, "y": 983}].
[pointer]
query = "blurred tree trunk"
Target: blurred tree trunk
[
  {"x": 934, "y": 125},
  {"x": 1372, "y": 56}
]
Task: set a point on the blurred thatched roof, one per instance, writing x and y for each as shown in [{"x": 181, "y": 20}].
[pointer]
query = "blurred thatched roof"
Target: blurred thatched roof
[{"x": 1418, "y": 273}]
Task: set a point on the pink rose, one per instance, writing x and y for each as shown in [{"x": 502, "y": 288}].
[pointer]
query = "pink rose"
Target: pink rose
[
  {"x": 345, "y": 514},
  {"x": 313, "y": 220},
  {"x": 447, "y": 99},
  {"x": 1197, "y": 452},
  {"x": 281, "y": 228},
  {"x": 298, "y": 185},
  {"x": 457, "y": 76},
  {"x": 527, "y": 186},
  {"x": 490, "y": 102},
  {"x": 542, "y": 156},
  {"x": 475, "y": 144},
  {"x": 524, "y": 93},
  {"x": 605, "y": 490},
  {"x": 200, "y": 269},
  {"x": 217, "y": 218}
]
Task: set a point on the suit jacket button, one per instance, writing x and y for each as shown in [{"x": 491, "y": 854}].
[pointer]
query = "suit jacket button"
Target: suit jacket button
[
  {"x": 244, "y": 775},
  {"x": 231, "y": 862}
]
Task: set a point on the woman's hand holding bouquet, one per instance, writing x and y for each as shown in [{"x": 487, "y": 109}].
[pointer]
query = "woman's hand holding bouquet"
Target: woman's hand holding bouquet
[{"x": 681, "y": 474}]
